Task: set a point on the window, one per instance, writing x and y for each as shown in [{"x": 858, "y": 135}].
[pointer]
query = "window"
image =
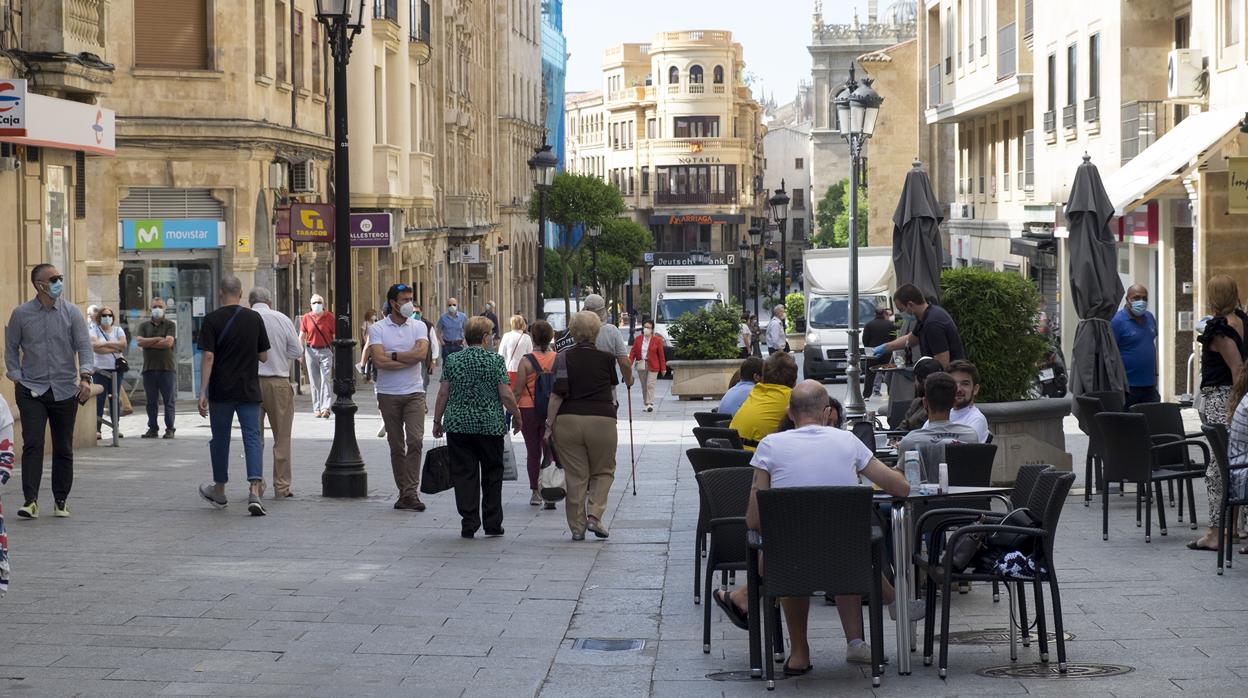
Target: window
[
  {"x": 1005, "y": 154},
  {"x": 652, "y": 128},
  {"x": 1094, "y": 65},
  {"x": 718, "y": 75},
  {"x": 961, "y": 20},
  {"x": 980, "y": 157},
  {"x": 799, "y": 199},
  {"x": 1052, "y": 73},
  {"x": 673, "y": 76},
  {"x": 799, "y": 225},
  {"x": 281, "y": 32},
  {"x": 379, "y": 106},
  {"x": 970, "y": 32},
  {"x": 695, "y": 75},
  {"x": 171, "y": 34},
  {"x": 948, "y": 42},
  {"x": 262, "y": 35},
  {"x": 1021, "y": 145},
  {"x": 1072, "y": 65},
  {"x": 317, "y": 71},
  {"x": 645, "y": 180},
  {"x": 992, "y": 159},
  {"x": 983, "y": 28},
  {"x": 296, "y": 38},
  {"x": 1232, "y": 21},
  {"x": 696, "y": 127},
  {"x": 799, "y": 164},
  {"x": 631, "y": 181}
]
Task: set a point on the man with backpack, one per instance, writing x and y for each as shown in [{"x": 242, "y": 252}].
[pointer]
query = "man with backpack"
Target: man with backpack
[{"x": 535, "y": 380}]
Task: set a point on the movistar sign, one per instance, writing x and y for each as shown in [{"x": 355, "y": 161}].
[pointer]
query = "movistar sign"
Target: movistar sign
[{"x": 171, "y": 234}]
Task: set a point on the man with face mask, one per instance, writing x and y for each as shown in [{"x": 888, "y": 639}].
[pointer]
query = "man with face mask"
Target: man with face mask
[
  {"x": 316, "y": 334},
  {"x": 1135, "y": 328},
  {"x": 451, "y": 328},
  {"x": 492, "y": 316},
  {"x": 48, "y": 356},
  {"x": 398, "y": 345},
  {"x": 156, "y": 338},
  {"x": 935, "y": 332}
]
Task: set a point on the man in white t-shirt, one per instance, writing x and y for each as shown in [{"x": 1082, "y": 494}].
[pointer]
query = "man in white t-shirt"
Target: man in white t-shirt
[
  {"x": 399, "y": 345},
  {"x": 966, "y": 377},
  {"x": 814, "y": 454},
  {"x": 939, "y": 431}
]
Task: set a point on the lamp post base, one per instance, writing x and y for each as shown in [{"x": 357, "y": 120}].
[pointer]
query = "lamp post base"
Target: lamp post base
[{"x": 344, "y": 474}]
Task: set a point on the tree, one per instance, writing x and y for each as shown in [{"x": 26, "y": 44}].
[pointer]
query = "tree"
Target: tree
[
  {"x": 573, "y": 201},
  {"x": 552, "y": 278},
  {"x": 832, "y": 217},
  {"x": 840, "y": 230},
  {"x": 620, "y": 248}
]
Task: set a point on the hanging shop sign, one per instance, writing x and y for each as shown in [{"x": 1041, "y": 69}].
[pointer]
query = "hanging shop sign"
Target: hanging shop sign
[
  {"x": 281, "y": 233},
  {"x": 1237, "y": 185},
  {"x": 370, "y": 229},
  {"x": 312, "y": 222},
  {"x": 170, "y": 234}
]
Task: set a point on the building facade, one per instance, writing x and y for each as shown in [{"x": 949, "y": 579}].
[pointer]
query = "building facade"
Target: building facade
[
  {"x": 554, "y": 78},
  {"x": 676, "y": 130},
  {"x": 788, "y": 163}
]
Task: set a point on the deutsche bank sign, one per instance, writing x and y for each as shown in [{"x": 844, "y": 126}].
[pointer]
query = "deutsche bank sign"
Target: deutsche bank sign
[{"x": 172, "y": 234}]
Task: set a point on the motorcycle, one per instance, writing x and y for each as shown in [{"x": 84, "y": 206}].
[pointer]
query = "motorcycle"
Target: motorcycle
[{"x": 1050, "y": 380}]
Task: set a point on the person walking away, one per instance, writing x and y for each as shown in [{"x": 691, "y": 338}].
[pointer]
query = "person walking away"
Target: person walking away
[
  {"x": 469, "y": 411},
  {"x": 234, "y": 343},
  {"x": 1135, "y": 329},
  {"x": 750, "y": 374},
  {"x": 316, "y": 334},
  {"x": 534, "y": 402},
  {"x": 581, "y": 421},
  {"x": 743, "y": 336},
  {"x": 1223, "y": 350},
  {"x": 277, "y": 396},
  {"x": 156, "y": 337},
  {"x": 935, "y": 331},
  {"x": 451, "y": 328},
  {"x": 364, "y": 367},
  {"x": 939, "y": 393},
  {"x": 648, "y": 361},
  {"x": 515, "y": 344},
  {"x": 610, "y": 339},
  {"x": 48, "y": 356},
  {"x": 878, "y": 331},
  {"x": 966, "y": 377},
  {"x": 489, "y": 314},
  {"x": 775, "y": 331},
  {"x": 108, "y": 342},
  {"x": 6, "y": 472},
  {"x": 399, "y": 348}
]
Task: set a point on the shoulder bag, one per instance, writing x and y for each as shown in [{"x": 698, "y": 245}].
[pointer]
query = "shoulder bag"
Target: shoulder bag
[{"x": 435, "y": 476}]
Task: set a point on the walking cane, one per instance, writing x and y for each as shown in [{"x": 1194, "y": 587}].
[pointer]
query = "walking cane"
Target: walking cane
[{"x": 632, "y": 455}]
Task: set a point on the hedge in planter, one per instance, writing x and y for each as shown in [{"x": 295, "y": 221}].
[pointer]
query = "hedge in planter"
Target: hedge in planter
[
  {"x": 995, "y": 312},
  {"x": 709, "y": 333},
  {"x": 795, "y": 313}
]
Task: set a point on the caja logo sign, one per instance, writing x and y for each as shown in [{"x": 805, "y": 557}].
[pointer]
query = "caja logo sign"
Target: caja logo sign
[
  {"x": 10, "y": 99},
  {"x": 12, "y": 107}
]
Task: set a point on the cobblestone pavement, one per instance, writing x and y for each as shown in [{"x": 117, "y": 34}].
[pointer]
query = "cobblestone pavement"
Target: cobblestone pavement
[{"x": 147, "y": 590}]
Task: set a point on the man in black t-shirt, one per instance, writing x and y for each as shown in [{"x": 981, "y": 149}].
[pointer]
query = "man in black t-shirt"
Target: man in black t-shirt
[
  {"x": 879, "y": 330},
  {"x": 234, "y": 342},
  {"x": 935, "y": 333}
]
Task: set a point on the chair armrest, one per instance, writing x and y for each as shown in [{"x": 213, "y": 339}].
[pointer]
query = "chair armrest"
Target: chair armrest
[
  {"x": 1204, "y": 447},
  {"x": 1165, "y": 438},
  {"x": 996, "y": 528},
  {"x": 726, "y": 521},
  {"x": 951, "y": 512}
]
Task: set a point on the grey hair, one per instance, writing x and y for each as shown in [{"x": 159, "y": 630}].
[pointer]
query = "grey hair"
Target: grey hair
[
  {"x": 779, "y": 307},
  {"x": 260, "y": 294},
  {"x": 231, "y": 286},
  {"x": 584, "y": 326}
]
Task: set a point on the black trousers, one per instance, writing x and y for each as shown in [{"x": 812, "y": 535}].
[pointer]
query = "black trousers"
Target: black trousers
[
  {"x": 477, "y": 471},
  {"x": 37, "y": 414},
  {"x": 1138, "y": 394}
]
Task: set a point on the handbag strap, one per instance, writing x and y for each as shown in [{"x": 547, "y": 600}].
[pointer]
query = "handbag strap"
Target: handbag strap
[
  {"x": 225, "y": 330},
  {"x": 107, "y": 338}
]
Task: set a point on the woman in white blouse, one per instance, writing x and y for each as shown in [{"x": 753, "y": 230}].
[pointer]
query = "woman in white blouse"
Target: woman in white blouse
[
  {"x": 514, "y": 345},
  {"x": 108, "y": 341}
]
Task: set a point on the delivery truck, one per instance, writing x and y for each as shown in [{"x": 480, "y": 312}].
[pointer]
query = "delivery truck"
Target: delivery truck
[
  {"x": 826, "y": 273},
  {"x": 679, "y": 289}
]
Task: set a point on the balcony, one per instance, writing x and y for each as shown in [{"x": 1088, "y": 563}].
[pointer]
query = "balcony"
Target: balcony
[
  {"x": 61, "y": 30},
  {"x": 1143, "y": 122},
  {"x": 386, "y": 9},
  {"x": 1092, "y": 110},
  {"x": 695, "y": 198},
  {"x": 692, "y": 151},
  {"x": 697, "y": 89},
  {"x": 1050, "y": 123},
  {"x": 718, "y": 89},
  {"x": 1007, "y": 51},
  {"x": 419, "y": 20},
  {"x": 933, "y": 85},
  {"x": 1070, "y": 117}
]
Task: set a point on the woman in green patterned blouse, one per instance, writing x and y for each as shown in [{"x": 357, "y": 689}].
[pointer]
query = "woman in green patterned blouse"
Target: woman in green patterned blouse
[{"x": 469, "y": 410}]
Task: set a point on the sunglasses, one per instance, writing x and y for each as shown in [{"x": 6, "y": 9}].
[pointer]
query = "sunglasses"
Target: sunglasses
[
  {"x": 106, "y": 315},
  {"x": 55, "y": 279}
]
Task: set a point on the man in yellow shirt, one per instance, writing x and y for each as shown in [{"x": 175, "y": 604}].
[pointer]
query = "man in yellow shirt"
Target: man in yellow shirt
[{"x": 764, "y": 410}]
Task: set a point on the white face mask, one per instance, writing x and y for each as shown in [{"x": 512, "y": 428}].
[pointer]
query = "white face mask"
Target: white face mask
[
  {"x": 106, "y": 321},
  {"x": 407, "y": 309},
  {"x": 158, "y": 313},
  {"x": 451, "y": 309},
  {"x": 318, "y": 307},
  {"x": 647, "y": 331}
]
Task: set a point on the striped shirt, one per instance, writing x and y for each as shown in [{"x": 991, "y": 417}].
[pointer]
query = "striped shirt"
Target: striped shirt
[{"x": 48, "y": 348}]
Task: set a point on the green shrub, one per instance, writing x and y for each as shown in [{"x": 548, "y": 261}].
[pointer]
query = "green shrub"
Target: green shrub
[
  {"x": 995, "y": 313},
  {"x": 794, "y": 311},
  {"x": 709, "y": 333}
]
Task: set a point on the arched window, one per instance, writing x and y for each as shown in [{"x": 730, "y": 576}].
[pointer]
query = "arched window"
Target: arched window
[
  {"x": 673, "y": 76},
  {"x": 695, "y": 75},
  {"x": 719, "y": 75}
]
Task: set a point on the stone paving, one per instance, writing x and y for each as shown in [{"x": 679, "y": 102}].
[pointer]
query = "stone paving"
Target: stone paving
[{"x": 147, "y": 590}]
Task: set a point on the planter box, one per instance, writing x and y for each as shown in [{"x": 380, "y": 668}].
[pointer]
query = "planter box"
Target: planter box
[
  {"x": 797, "y": 341},
  {"x": 1027, "y": 431},
  {"x": 702, "y": 379}
]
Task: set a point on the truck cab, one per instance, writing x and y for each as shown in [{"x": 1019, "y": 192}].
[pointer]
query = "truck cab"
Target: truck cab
[
  {"x": 826, "y": 273},
  {"x": 676, "y": 290}
]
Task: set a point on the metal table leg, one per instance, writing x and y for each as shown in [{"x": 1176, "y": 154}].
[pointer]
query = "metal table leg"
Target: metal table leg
[{"x": 901, "y": 584}]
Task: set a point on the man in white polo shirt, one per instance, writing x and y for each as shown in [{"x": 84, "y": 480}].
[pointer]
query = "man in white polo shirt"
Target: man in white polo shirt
[
  {"x": 398, "y": 346},
  {"x": 277, "y": 397}
]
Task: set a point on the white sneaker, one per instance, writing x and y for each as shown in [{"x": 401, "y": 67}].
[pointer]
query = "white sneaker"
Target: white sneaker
[
  {"x": 381, "y": 433},
  {"x": 858, "y": 654},
  {"x": 918, "y": 609}
]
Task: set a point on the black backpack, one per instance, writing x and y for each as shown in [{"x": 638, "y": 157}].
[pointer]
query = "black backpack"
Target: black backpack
[{"x": 542, "y": 387}]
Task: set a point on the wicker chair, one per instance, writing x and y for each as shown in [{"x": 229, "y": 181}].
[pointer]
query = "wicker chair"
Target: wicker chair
[
  {"x": 704, "y": 433},
  {"x": 708, "y": 419},
  {"x": 703, "y": 459},
  {"x": 1220, "y": 443},
  {"x": 1165, "y": 423}
]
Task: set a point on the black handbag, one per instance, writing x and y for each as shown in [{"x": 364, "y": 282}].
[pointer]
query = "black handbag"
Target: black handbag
[
  {"x": 435, "y": 476},
  {"x": 1002, "y": 542},
  {"x": 122, "y": 365}
]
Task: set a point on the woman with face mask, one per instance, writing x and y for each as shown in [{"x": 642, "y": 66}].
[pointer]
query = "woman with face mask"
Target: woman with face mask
[
  {"x": 108, "y": 341},
  {"x": 648, "y": 361},
  {"x": 364, "y": 367}
]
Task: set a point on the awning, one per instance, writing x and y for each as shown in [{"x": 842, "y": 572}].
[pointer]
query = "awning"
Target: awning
[{"x": 1172, "y": 157}]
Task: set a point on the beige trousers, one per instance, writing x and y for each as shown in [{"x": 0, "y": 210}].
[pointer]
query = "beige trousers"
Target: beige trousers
[
  {"x": 404, "y": 417},
  {"x": 277, "y": 401},
  {"x": 647, "y": 380},
  {"x": 586, "y": 449}
]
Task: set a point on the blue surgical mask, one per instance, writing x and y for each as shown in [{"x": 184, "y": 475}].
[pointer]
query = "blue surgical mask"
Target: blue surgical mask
[
  {"x": 1138, "y": 308},
  {"x": 106, "y": 321},
  {"x": 55, "y": 288}
]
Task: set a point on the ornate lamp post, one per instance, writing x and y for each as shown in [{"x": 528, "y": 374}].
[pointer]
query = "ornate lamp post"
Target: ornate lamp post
[
  {"x": 594, "y": 232},
  {"x": 344, "y": 474},
  {"x": 542, "y": 170},
  {"x": 857, "y": 109},
  {"x": 756, "y": 244},
  {"x": 780, "y": 214}
]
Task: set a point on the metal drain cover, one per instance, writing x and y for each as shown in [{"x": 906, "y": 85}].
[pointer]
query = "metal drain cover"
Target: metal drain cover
[
  {"x": 992, "y": 636},
  {"x": 591, "y": 644},
  {"x": 742, "y": 676},
  {"x": 1074, "y": 670}
]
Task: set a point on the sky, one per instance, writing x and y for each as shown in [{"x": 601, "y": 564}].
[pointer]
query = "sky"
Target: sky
[{"x": 773, "y": 34}]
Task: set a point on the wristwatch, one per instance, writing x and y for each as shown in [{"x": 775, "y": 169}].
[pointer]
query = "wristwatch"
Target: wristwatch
[{"x": 394, "y": 356}]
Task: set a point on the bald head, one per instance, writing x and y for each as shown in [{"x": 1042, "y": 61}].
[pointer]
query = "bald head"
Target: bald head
[
  {"x": 809, "y": 404},
  {"x": 1137, "y": 292}
]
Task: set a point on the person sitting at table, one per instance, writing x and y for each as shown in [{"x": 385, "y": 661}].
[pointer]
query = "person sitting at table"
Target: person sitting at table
[
  {"x": 751, "y": 374},
  {"x": 815, "y": 454},
  {"x": 764, "y": 410},
  {"x": 939, "y": 393},
  {"x": 966, "y": 377},
  {"x": 916, "y": 415}
]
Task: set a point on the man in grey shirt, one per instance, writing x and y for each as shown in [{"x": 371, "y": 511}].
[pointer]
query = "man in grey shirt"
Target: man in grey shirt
[
  {"x": 775, "y": 331},
  {"x": 48, "y": 356},
  {"x": 939, "y": 392},
  {"x": 610, "y": 339}
]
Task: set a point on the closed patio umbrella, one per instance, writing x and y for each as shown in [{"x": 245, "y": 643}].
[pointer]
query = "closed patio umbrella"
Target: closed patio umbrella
[
  {"x": 1096, "y": 290},
  {"x": 917, "y": 250}
]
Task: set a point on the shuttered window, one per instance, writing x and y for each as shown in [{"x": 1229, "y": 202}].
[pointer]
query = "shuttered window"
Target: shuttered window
[
  {"x": 151, "y": 203},
  {"x": 171, "y": 34}
]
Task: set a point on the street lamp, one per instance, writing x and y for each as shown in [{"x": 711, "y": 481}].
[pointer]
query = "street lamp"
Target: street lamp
[
  {"x": 756, "y": 244},
  {"x": 743, "y": 249},
  {"x": 594, "y": 232},
  {"x": 542, "y": 171},
  {"x": 780, "y": 214},
  {"x": 344, "y": 474},
  {"x": 699, "y": 257},
  {"x": 857, "y": 109}
]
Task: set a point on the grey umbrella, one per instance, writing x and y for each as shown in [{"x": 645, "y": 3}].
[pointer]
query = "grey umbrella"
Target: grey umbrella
[
  {"x": 1095, "y": 287},
  {"x": 916, "y": 234}
]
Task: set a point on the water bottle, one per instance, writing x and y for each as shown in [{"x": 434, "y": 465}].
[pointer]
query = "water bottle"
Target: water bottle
[
  {"x": 910, "y": 466},
  {"x": 943, "y": 478}
]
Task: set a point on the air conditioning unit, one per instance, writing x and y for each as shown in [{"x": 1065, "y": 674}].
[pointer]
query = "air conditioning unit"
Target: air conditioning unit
[
  {"x": 303, "y": 176},
  {"x": 278, "y": 176},
  {"x": 10, "y": 164},
  {"x": 1183, "y": 69}
]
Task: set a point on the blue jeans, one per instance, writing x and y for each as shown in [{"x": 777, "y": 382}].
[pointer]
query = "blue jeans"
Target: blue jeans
[
  {"x": 160, "y": 387},
  {"x": 221, "y": 417},
  {"x": 106, "y": 381}
]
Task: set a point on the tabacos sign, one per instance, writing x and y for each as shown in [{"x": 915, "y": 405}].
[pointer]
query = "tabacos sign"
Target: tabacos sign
[
  {"x": 12, "y": 107},
  {"x": 312, "y": 222},
  {"x": 171, "y": 234}
]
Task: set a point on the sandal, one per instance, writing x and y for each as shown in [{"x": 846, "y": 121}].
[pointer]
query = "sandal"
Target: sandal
[
  {"x": 1194, "y": 545},
  {"x": 790, "y": 671},
  {"x": 735, "y": 615}
]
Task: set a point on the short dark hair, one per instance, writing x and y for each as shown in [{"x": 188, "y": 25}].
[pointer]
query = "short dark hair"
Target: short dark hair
[
  {"x": 780, "y": 369},
  {"x": 34, "y": 273},
  {"x": 940, "y": 391},
  {"x": 964, "y": 366},
  {"x": 542, "y": 333},
  {"x": 908, "y": 293},
  {"x": 752, "y": 366},
  {"x": 925, "y": 367},
  {"x": 840, "y": 412}
]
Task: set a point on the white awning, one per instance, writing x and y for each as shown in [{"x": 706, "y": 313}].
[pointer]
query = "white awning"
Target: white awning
[{"x": 1172, "y": 157}]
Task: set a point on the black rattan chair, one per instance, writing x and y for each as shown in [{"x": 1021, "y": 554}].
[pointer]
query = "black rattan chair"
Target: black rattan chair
[
  {"x": 1165, "y": 423},
  {"x": 1053, "y": 487},
  {"x": 970, "y": 464},
  {"x": 708, "y": 419},
  {"x": 819, "y": 539},
  {"x": 1129, "y": 456},
  {"x": 1220, "y": 444},
  {"x": 704, "y": 433},
  {"x": 703, "y": 459}
]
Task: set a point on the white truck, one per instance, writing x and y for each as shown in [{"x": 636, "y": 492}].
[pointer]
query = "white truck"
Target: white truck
[
  {"x": 676, "y": 290},
  {"x": 826, "y": 273}
]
